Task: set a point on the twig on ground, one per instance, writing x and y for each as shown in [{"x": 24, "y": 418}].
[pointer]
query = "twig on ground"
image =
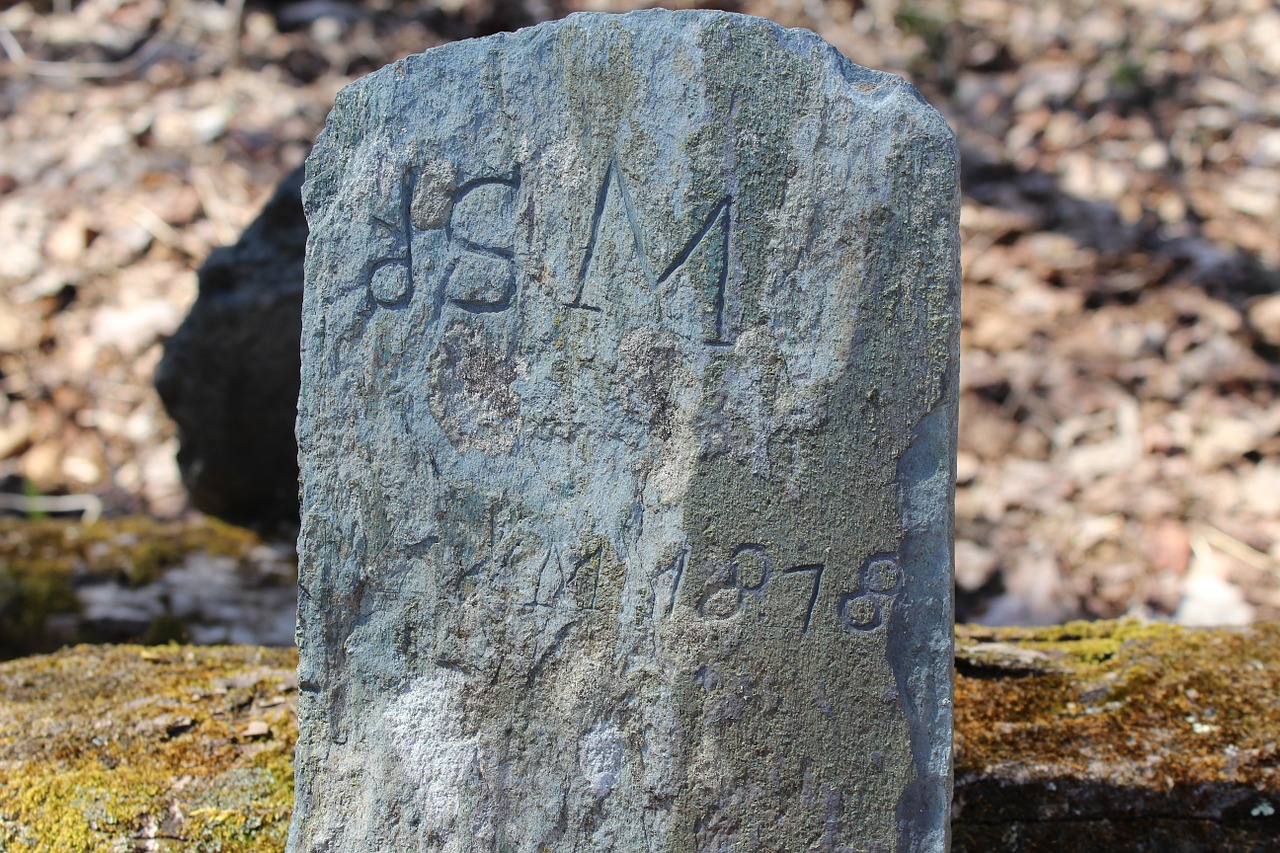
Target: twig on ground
[
  {"x": 89, "y": 506},
  {"x": 84, "y": 70},
  {"x": 1245, "y": 553}
]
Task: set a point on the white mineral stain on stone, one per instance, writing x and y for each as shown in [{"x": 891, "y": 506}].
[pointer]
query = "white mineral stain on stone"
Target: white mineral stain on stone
[
  {"x": 425, "y": 727},
  {"x": 674, "y": 472},
  {"x": 600, "y": 757},
  {"x": 566, "y": 162}
]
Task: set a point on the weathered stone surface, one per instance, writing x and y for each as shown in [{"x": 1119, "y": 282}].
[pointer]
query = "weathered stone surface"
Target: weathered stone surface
[
  {"x": 229, "y": 377},
  {"x": 627, "y": 433}
]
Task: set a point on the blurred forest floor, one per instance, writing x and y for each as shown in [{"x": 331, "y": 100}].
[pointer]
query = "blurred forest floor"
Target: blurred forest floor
[{"x": 1120, "y": 430}]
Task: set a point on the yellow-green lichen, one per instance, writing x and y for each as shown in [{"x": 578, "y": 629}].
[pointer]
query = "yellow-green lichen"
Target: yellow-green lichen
[
  {"x": 177, "y": 748},
  {"x": 1140, "y": 702},
  {"x": 190, "y": 749}
]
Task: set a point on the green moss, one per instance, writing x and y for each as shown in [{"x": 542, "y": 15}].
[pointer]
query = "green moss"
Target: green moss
[
  {"x": 1081, "y": 643},
  {"x": 42, "y": 561},
  {"x": 103, "y": 747},
  {"x": 1116, "y": 695}
]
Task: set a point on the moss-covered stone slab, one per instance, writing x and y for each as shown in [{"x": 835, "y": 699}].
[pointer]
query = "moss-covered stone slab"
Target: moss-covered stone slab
[
  {"x": 1095, "y": 737},
  {"x": 1087, "y": 738},
  {"x": 627, "y": 436},
  {"x": 159, "y": 748}
]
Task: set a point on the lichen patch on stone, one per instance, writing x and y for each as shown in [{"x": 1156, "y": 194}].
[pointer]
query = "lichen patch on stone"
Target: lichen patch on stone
[{"x": 165, "y": 748}]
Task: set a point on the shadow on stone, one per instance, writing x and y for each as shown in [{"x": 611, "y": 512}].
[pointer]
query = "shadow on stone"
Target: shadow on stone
[{"x": 1074, "y": 815}]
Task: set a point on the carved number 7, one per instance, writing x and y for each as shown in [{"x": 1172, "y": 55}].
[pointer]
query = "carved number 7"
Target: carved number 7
[{"x": 816, "y": 568}]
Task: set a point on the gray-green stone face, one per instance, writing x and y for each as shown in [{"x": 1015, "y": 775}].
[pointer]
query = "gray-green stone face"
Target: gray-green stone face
[{"x": 627, "y": 432}]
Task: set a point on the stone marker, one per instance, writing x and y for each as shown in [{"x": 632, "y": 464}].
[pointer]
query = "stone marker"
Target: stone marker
[{"x": 627, "y": 432}]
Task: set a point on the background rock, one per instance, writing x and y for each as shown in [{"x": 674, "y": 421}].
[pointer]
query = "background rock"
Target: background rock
[
  {"x": 229, "y": 376},
  {"x": 140, "y": 580}
]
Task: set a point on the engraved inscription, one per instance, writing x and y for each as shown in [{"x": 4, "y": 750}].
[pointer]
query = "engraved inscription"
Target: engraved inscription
[
  {"x": 749, "y": 582},
  {"x": 390, "y": 283},
  {"x": 470, "y": 231},
  {"x": 550, "y": 584},
  {"x": 586, "y": 576},
  {"x": 614, "y": 188},
  {"x": 749, "y": 578},
  {"x": 666, "y": 599},
  {"x": 480, "y": 275},
  {"x": 815, "y": 569},
  {"x": 458, "y": 239},
  {"x": 391, "y": 276},
  {"x": 869, "y": 607},
  {"x": 568, "y": 585},
  {"x": 705, "y": 255}
]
